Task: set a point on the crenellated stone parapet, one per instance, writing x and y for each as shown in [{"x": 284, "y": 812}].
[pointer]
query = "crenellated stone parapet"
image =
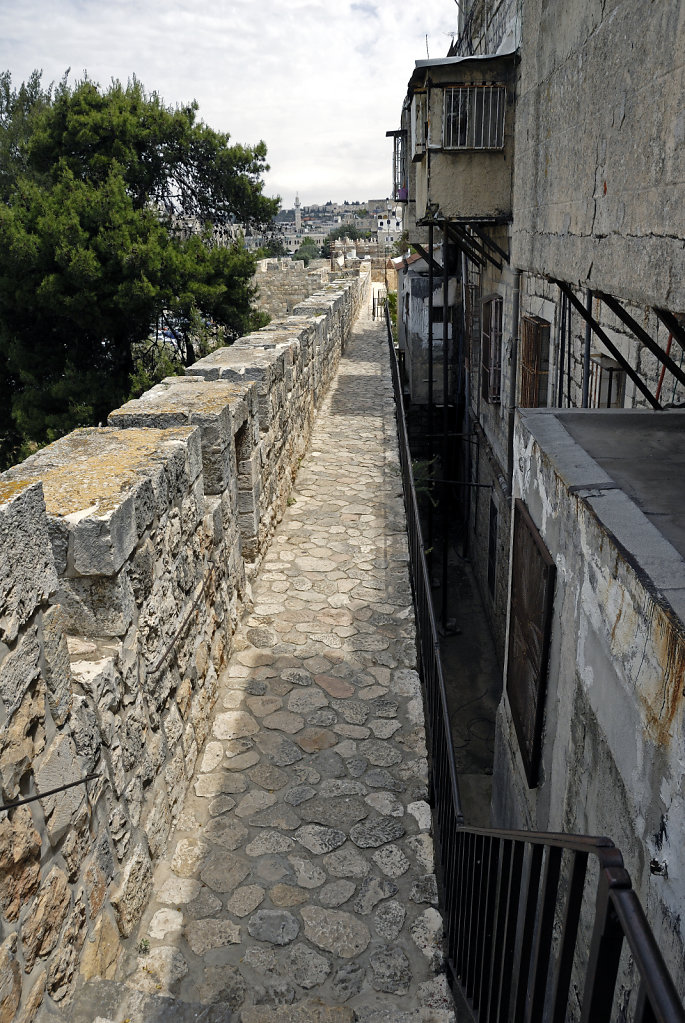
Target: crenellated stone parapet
[{"x": 125, "y": 559}]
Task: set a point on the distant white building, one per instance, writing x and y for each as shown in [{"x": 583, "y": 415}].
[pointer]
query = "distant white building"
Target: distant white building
[{"x": 388, "y": 227}]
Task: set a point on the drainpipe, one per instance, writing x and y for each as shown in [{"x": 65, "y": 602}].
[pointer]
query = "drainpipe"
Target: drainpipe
[
  {"x": 430, "y": 336},
  {"x": 562, "y": 349},
  {"x": 466, "y": 423},
  {"x": 445, "y": 423},
  {"x": 586, "y": 353},
  {"x": 431, "y": 430},
  {"x": 512, "y": 381}
]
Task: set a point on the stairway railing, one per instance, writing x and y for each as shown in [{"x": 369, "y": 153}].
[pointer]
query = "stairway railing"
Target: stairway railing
[{"x": 538, "y": 926}]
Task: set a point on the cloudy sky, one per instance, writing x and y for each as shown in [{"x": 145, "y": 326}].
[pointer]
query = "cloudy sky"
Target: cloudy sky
[{"x": 319, "y": 80}]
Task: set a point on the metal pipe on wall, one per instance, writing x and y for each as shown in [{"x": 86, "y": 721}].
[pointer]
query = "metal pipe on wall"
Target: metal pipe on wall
[
  {"x": 513, "y": 372},
  {"x": 586, "y": 353},
  {"x": 445, "y": 423},
  {"x": 431, "y": 430},
  {"x": 569, "y": 341},
  {"x": 562, "y": 350},
  {"x": 466, "y": 419},
  {"x": 430, "y": 332}
]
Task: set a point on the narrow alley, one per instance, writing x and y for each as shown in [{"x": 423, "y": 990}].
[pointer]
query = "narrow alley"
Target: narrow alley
[{"x": 299, "y": 884}]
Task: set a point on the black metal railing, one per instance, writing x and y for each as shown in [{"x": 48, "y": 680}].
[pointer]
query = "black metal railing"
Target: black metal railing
[
  {"x": 546, "y": 927},
  {"x": 538, "y": 927},
  {"x": 444, "y": 782}
]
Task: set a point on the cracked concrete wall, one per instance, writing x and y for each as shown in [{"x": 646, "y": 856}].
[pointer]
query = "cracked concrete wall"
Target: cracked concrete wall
[
  {"x": 123, "y": 558},
  {"x": 599, "y": 194},
  {"x": 614, "y": 740}
]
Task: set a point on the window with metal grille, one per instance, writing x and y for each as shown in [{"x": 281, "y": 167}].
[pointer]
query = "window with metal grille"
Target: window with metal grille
[
  {"x": 474, "y": 117},
  {"x": 607, "y": 382},
  {"x": 419, "y": 125},
  {"x": 534, "y": 362},
  {"x": 399, "y": 166},
  {"x": 491, "y": 350}
]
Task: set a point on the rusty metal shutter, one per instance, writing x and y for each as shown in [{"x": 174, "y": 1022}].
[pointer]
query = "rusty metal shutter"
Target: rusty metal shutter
[{"x": 532, "y": 596}]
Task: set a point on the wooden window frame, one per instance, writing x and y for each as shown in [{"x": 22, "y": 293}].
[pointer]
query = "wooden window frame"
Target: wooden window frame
[
  {"x": 530, "y": 626},
  {"x": 535, "y": 333}
]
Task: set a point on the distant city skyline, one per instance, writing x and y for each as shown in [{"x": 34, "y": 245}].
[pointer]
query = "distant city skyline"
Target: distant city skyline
[{"x": 320, "y": 83}]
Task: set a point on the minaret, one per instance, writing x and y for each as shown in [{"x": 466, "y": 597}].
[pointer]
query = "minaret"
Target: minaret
[{"x": 298, "y": 215}]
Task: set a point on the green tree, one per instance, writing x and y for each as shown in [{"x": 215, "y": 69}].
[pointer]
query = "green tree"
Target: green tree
[
  {"x": 401, "y": 246},
  {"x": 96, "y": 185},
  {"x": 307, "y": 251},
  {"x": 273, "y": 247}
]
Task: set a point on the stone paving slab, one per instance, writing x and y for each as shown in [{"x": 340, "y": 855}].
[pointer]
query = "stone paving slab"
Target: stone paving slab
[{"x": 299, "y": 884}]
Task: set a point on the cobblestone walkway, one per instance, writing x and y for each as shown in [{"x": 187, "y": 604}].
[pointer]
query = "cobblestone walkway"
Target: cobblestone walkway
[{"x": 299, "y": 884}]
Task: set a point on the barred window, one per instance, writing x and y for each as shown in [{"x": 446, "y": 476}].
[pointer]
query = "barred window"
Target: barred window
[
  {"x": 474, "y": 117},
  {"x": 491, "y": 350},
  {"x": 400, "y": 190},
  {"x": 419, "y": 125}
]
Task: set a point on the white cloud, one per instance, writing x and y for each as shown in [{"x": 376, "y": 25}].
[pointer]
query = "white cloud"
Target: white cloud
[{"x": 319, "y": 80}]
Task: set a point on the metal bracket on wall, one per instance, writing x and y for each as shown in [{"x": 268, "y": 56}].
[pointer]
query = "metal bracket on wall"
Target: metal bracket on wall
[
  {"x": 642, "y": 335},
  {"x": 469, "y": 246},
  {"x": 607, "y": 342},
  {"x": 673, "y": 324},
  {"x": 489, "y": 242},
  {"x": 425, "y": 255}
]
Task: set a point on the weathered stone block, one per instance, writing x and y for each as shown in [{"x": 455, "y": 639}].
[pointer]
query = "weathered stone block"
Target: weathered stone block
[
  {"x": 58, "y": 678},
  {"x": 64, "y": 962},
  {"x": 59, "y": 766},
  {"x": 157, "y": 821},
  {"x": 84, "y": 731},
  {"x": 19, "y": 861},
  {"x": 27, "y": 569},
  {"x": 131, "y": 895},
  {"x": 33, "y": 1001},
  {"x": 43, "y": 924},
  {"x": 98, "y": 606},
  {"x": 100, "y": 546},
  {"x": 105, "y": 485},
  {"x": 19, "y": 669},
  {"x": 22, "y": 740},
  {"x": 10, "y": 981},
  {"x": 101, "y": 955}
]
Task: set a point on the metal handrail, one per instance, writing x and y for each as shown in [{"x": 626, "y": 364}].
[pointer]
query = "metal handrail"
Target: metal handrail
[
  {"x": 438, "y": 718},
  {"x": 515, "y": 902}
]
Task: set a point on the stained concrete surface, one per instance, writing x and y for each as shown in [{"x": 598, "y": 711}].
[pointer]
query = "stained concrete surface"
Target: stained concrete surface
[{"x": 644, "y": 454}]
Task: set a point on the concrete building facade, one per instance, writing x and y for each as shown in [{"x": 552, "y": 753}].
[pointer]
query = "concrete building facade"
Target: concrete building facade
[{"x": 562, "y": 220}]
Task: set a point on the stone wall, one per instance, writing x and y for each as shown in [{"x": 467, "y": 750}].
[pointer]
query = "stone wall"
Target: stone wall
[
  {"x": 125, "y": 558},
  {"x": 282, "y": 283},
  {"x": 598, "y": 186}
]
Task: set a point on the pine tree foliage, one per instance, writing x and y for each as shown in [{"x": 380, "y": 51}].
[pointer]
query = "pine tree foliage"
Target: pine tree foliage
[{"x": 97, "y": 192}]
